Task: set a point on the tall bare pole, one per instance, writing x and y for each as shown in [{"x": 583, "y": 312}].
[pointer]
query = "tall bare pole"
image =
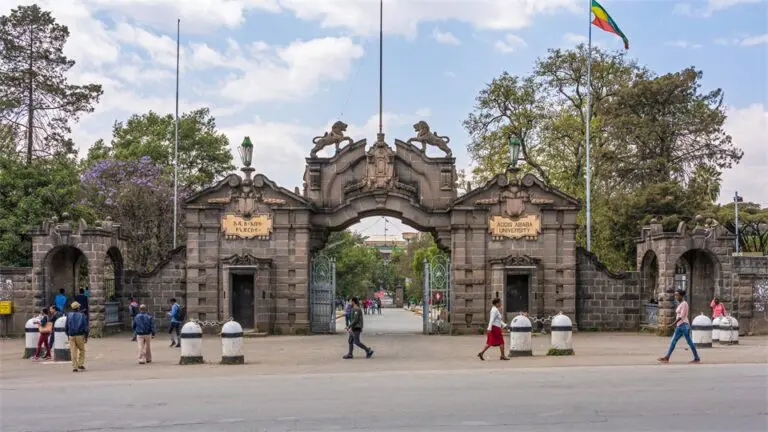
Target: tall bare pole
[
  {"x": 589, "y": 117},
  {"x": 381, "y": 66},
  {"x": 176, "y": 145}
]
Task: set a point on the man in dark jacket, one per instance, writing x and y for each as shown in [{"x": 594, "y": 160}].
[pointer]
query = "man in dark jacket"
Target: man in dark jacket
[
  {"x": 77, "y": 332},
  {"x": 354, "y": 328},
  {"x": 144, "y": 329}
]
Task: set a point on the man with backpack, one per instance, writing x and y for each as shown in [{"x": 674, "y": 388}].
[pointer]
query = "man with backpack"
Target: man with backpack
[{"x": 176, "y": 316}]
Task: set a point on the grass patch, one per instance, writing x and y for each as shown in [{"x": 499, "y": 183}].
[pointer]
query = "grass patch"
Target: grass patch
[{"x": 560, "y": 352}]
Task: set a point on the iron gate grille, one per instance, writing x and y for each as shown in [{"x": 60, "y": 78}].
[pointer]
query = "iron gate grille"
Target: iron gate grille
[
  {"x": 322, "y": 295},
  {"x": 438, "y": 295}
]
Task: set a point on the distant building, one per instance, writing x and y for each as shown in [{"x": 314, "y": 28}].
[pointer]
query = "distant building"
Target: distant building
[{"x": 387, "y": 244}]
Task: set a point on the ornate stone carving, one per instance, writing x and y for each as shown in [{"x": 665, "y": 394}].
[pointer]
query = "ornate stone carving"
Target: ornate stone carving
[
  {"x": 246, "y": 259},
  {"x": 221, "y": 200},
  {"x": 516, "y": 261},
  {"x": 380, "y": 172},
  {"x": 334, "y": 137},
  {"x": 425, "y": 137}
]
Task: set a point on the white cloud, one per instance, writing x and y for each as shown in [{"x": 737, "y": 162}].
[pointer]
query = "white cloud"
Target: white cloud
[
  {"x": 574, "y": 38},
  {"x": 446, "y": 38},
  {"x": 710, "y": 7},
  {"x": 509, "y": 44},
  {"x": 749, "y": 129},
  {"x": 449, "y": 74},
  {"x": 402, "y": 17},
  {"x": 743, "y": 40},
  {"x": 683, "y": 44}
]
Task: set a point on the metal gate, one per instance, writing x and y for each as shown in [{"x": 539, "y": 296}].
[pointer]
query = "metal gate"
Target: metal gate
[
  {"x": 322, "y": 294},
  {"x": 438, "y": 295}
]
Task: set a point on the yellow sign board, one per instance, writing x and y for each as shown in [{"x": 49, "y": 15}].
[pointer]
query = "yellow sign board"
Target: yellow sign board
[
  {"x": 528, "y": 227},
  {"x": 255, "y": 226},
  {"x": 6, "y": 307}
]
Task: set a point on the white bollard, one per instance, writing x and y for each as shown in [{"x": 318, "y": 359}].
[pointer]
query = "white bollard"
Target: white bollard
[
  {"x": 31, "y": 334},
  {"x": 701, "y": 331},
  {"x": 520, "y": 337},
  {"x": 562, "y": 336},
  {"x": 60, "y": 341},
  {"x": 729, "y": 331},
  {"x": 232, "y": 343},
  {"x": 191, "y": 344},
  {"x": 716, "y": 329}
]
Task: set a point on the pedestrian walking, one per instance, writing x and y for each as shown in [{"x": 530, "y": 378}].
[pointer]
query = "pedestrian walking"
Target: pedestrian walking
[
  {"x": 144, "y": 329},
  {"x": 718, "y": 309},
  {"x": 44, "y": 328},
  {"x": 355, "y": 328},
  {"x": 495, "y": 337},
  {"x": 174, "y": 329},
  {"x": 133, "y": 309},
  {"x": 77, "y": 332},
  {"x": 347, "y": 312},
  {"x": 682, "y": 329},
  {"x": 378, "y": 305}
]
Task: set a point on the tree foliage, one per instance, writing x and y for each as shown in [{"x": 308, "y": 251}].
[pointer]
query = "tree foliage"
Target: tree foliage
[
  {"x": 753, "y": 225},
  {"x": 648, "y": 131},
  {"x": 36, "y": 99}
]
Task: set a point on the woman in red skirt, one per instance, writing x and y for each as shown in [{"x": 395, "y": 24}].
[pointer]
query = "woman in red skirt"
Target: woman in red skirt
[{"x": 495, "y": 336}]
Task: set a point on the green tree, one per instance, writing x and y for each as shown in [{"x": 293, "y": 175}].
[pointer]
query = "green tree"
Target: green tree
[
  {"x": 30, "y": 193},
  {"x": 705, "y": 182},
  {"x": 36, "y": 98},
  {"x": 204, "y": 154},
  {"x": 753, "y": 225}
]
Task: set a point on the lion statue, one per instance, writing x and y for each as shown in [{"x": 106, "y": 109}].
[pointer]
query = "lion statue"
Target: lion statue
[
  {"x": 425, "y": 137},
  {"x": 335, "y": 136}
]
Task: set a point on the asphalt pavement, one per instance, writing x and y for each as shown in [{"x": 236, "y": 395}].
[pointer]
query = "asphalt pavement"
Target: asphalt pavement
[
  {"x": 614, "y": 398},
  {"x": 394, "y": 321}
]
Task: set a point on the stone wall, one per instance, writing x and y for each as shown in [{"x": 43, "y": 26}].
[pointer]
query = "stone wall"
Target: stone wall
[
  {"x": 746, "y": 294},
  {"x": 23, "y": 297},
  {"x": 156, "y": 288},
  {"x": 606, "y": 300}
]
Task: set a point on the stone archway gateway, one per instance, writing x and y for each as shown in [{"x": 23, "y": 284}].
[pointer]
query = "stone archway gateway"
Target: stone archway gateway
[{"x": 513, "y": 233}]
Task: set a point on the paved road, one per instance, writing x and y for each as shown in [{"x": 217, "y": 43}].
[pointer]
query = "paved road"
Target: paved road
[
  {"x": 396, "y": 321},
  {"x": 620, "y": 398}
]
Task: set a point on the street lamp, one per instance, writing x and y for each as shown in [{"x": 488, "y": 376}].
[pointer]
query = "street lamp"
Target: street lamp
[
  {"x": 514, "y": 151},
  {"x": 736, "y": 200},
  {"x": 246, "y": 152}
]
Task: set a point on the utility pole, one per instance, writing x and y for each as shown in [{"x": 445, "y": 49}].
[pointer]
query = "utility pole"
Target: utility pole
[{"x": 736, "y": 200}]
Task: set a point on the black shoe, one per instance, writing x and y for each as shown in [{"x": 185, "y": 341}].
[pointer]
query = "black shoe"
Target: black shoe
[
  {"x": 133, "y": 339},
  {"x": 178, "y": 345},
  {"x": 81, "y": 367},
  {"x": 173, "y": 344},
  {"x": 369, "y": 354},
  {"x": 74, "y": 370},
  {"x": 347, "y": 357}
]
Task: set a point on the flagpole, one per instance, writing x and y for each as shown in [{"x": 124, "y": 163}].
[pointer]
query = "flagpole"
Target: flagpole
[
  {"x": 589, "y": 117},
  {"x": 176, "y": 145},
  {"x": 381, "y": 67}
]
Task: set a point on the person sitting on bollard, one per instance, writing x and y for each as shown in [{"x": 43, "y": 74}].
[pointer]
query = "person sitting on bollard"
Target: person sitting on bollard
[
  {"x": 174, "y": 329},
  {"x": 355, "y": 328},
  {"x": 682, "y": 329},
  {"x": 718, "y": 309},
  {"x": 495, "y": 336},
  {"x": 45, "y": 328},
  {"x": 54, "y": 314},
  {"x": 77, "y": 332},
  {"x": 144, "y": 329},
  {"x": 133, "y": 309}
]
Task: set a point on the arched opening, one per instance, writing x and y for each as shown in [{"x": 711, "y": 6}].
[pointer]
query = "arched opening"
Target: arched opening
[
  {"x": 112, "y": 272},
  {"x": 697, "y": 272},
  {"x": 649, "y": 270},
  {"x": 65, "y": 268},
  {"x": 389, "y": 264}
]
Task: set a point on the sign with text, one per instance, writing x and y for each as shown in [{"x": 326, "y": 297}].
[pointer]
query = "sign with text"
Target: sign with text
[
  {"x": 6, "y": 307},
  {"x": 256, "y": 226},
  {"x": 528, "y": 227}
]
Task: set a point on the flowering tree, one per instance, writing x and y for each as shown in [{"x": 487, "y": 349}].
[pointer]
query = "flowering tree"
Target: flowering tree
[{"x": 137, "y": 194}]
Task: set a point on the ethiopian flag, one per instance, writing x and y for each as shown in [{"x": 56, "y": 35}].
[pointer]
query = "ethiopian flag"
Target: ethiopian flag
[{"x": 606, "y": 23}]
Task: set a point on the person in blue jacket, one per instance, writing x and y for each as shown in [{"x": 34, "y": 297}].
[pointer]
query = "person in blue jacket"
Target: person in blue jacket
[{"x": 77, "y": 332}]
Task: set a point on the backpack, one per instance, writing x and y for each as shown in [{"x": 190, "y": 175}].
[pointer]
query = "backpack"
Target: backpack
[{"x": 181, "y": 315}]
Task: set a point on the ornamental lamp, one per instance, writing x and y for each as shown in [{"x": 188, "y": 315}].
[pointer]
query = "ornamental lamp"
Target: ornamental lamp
[
  {"x": 246, "y": 152},
  {"x": 514, "y": 150}
]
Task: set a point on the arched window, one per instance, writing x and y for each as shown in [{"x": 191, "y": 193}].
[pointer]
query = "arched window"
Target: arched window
[{"x": 681, "y": 275}]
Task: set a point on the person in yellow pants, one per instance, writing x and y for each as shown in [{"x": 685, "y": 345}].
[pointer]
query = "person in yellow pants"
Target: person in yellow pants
[{"x": 77, "y": 332}]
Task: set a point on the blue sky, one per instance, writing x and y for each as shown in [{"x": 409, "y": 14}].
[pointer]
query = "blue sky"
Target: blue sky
[{"x": 281, "y": 71}]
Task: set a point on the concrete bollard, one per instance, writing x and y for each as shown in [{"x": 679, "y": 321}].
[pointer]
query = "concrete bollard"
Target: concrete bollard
[
  {"x": 729, "y": 331},
  {"x": 31, "y": 334},
  {"x": 701, "y": 331},
  {"x": 191, "y": 344},
  {"x": 520, "y": 337},
  {"x": 716, "y": 329},
  {"x": 232, "y": 343},
  {"x": 562, "y": 336},
  {"x": 60, "y": 341}
]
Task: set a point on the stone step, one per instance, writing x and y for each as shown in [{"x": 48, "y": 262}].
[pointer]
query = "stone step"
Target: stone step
[{"x": 252, "y": 333}]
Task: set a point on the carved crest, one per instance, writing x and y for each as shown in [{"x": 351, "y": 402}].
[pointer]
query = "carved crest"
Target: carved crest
[
  {"x": 425, "y": 137},
  {"x": 380, "y": 171},
  {"x": 246, "y": 259},
  {"x": 335, "y": 137},
  {"x": 516, "y": 261},
  {"x": 512, "y": 200}
]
